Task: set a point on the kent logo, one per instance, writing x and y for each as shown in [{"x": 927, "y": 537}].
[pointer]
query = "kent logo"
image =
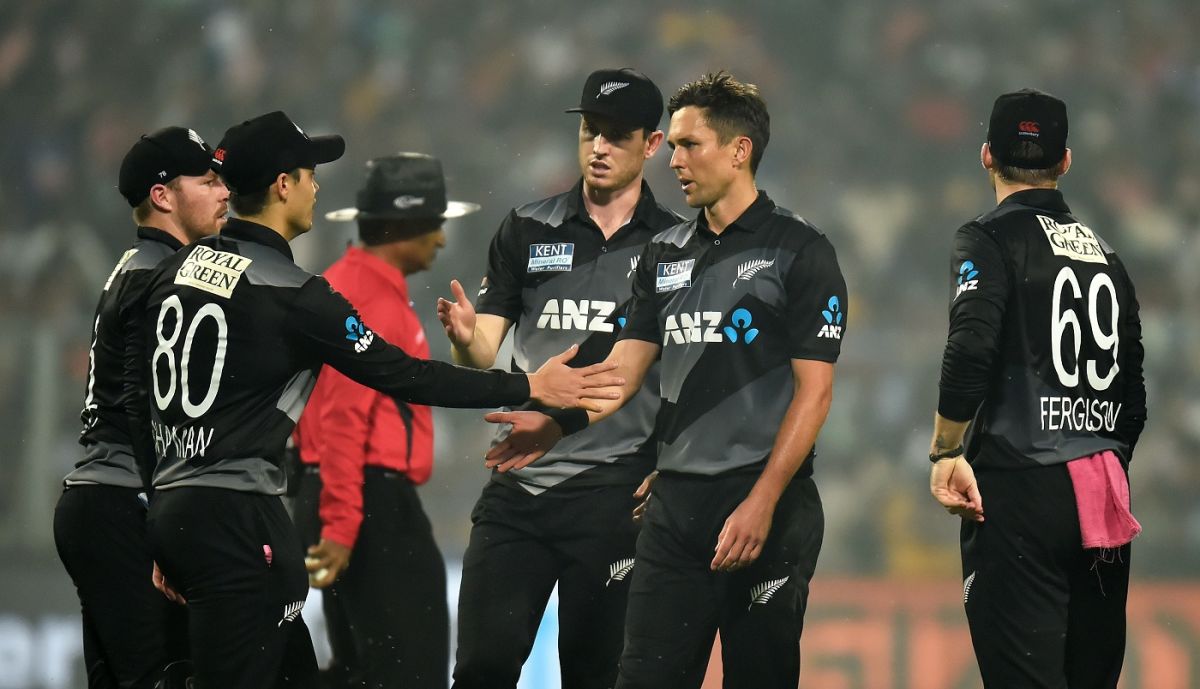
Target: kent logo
[
  {"x": 550, "y": 257},
  {"x": 672, "y": 276},
  {"x": 833, "y": 320},
  {"x": 582, "y": 314},
  {"x": 966, "y": 278},
  {"x": 705, "y": 327}
]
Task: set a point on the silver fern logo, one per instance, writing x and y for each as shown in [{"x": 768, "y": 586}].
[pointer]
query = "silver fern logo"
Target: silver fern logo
[
  {"x": 195, "y": 138},
  {"x": 618, "y": 570},
  {"x": 763, "y": 593},
  {"x": 749, "y": 269},
  {"x": 608, "y": 87},
  {"x": 291, "y": 611},
  {"x": 967, "y": 587},
  {"x": 633, "y": 264}
]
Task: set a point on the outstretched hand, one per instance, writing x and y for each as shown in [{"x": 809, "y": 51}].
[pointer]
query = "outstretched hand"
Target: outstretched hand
[
  {"x": 458, "y": 316},
  {"x": 557, "y": 385},
  {"x": 533, "y": 434},
  {"x": 952, "y": 483}
]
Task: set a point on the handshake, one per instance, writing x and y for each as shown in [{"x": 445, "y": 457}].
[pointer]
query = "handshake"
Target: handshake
[{"x": 557, "y": 385}]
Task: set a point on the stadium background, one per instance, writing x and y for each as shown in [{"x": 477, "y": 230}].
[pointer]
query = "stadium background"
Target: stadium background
[{"x": 878, "y": 112}]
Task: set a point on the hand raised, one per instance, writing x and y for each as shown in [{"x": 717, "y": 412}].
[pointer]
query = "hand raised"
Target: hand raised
[{"x": 458, "y": 316}]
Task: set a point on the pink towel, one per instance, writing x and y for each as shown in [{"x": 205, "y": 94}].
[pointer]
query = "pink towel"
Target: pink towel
[{"x": 1102, "y": 498}]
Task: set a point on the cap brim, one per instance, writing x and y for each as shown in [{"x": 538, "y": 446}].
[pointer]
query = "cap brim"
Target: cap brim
[
  {"x": 457, "y": 209},
  {"x": 342, "y": 215},
  {"x": 326, "y": 149}
]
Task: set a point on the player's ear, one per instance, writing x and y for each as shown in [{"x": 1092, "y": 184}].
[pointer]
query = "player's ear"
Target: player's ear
[
  {"x": 985, "y": 157},
  {"x": 282, "y": 185},
  {"x": 743, "y": 148},
  {"x": 1066, "y": 163},
  {"x": 160, "y": 199},
  {"x": 653, "y": 142}
]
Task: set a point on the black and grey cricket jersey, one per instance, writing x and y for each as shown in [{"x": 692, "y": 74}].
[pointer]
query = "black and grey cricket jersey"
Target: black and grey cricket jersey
[
  {"x": 552, "y": 273},
  {"x": 115, "y": 395},
  {"x": 731, "y": 311},
  {"x": 1044, "y": 351},
  {"x": 235, "y": 335}
]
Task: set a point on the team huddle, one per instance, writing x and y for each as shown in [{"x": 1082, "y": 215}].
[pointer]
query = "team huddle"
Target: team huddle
[{"x": 656, "y": 433}]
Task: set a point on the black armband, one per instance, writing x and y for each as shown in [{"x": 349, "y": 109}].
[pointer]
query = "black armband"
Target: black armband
[{"x": 569, "y": 420}]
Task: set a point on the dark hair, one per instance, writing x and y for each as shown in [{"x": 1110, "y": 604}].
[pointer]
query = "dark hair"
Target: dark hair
[
  {"x": 254, "y": 202},
  {"x": 374, "y": 231},
  {"x": 731, "y": 108},
  {"x": 1027, "y": 150}
]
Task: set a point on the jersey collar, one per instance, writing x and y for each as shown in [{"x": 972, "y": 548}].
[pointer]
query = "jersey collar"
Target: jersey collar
[
  {"x": 1045, "y": 199},
  {"x": 749, "y": 221},
  {"x": 642, "y": 212},
  {"x": 161, "y": 236},
  {"x": 236, "y": 228}
]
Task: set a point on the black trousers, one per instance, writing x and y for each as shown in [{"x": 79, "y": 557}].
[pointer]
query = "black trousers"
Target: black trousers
[
  {"x": 581, "y": 539},
  {"x": 130, "y": 630},
  {"x": 1044, "y": 613},
  {"x": 237, "y": 559},
  {"x": 677, "y": 603},
  {"x": 387, "y": 615}
]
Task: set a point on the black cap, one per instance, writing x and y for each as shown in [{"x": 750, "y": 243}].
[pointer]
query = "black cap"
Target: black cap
[
  {"x": 406, "y": 186},
  {"x": 252, "y": 154},
  {"x": 1033, "y": 116},
  {"x": 159, "y": 158},
  {"x": 624, "y": 95}
]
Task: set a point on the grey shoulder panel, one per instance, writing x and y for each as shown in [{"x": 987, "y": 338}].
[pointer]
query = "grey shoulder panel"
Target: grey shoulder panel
[
  {"x": 271, "y": 268},
  {"x": 549, "y": 211}
]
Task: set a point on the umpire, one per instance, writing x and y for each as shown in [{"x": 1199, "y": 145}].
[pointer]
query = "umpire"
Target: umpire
[
  {"x": 364, "y": 452},
  {"x": 238, "y": 332},
  {"x": 1043, "y": 364}
]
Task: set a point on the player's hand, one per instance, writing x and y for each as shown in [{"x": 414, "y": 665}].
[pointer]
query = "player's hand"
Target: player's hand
[
  {"x": 160, "y": 583},
  {"x": 744, "y": 534},
  {"x": 533, "y": 434},
  {"x": 952, "y": 482},
  {"x": 457, "y": 317},
  {"x": 557, "y": 385},
  {"x": 643, "y": 494},
  {"x": 325, "y": 561}
]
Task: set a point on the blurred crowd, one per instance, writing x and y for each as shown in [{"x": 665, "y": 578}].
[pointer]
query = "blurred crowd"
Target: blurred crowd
[{"x": 878, "y": 110}]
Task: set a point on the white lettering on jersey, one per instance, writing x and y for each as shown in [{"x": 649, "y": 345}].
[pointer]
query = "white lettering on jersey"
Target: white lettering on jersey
[
  {"x": 584, "y": 314},
  {"x": 697, "y": 326},
  {"x": 548, "y": 257},
  {"x": 217, "y": 272},
  {"x": 673, "y": 276},
  {"x": 186, "y": 443},
  {"x": 1079, "y": 414},
  {"x": 1073, "y": 240},
  {"x": 833, "y": 332}
]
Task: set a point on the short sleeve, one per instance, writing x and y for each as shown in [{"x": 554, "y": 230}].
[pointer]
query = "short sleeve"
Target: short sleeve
[
  {"x": 642, "y": 316},
  {"x": 500, "y": 293},
  {"x": 816, "y": 303}
]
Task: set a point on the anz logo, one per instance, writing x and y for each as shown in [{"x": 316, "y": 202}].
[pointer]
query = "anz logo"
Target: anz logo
[
  {"x": 358, "y": 333},
  {"x": 705, "y": 327},
  {"x": 967, "y": 278},
  {"x": 833, "y": 320},
  {"x": 582, "y": 314}
]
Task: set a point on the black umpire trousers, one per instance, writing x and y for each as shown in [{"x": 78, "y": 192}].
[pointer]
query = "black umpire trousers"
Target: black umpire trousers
[
  {"x": 387, "y": 615},
  {"x": 237, "y": 559},
  {"x": 580, "y": 538},
  {"x": 677, "y": 604},
  {"x": 130, "y": 630},
  {"x": 1044, "y": 613}
]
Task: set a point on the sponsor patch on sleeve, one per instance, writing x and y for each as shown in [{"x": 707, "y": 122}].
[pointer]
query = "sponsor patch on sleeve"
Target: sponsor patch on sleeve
[
  {"x": 674, "y": 275},
  {"x": 550, "y": 257},
  {"x": 217, "y": 272}
]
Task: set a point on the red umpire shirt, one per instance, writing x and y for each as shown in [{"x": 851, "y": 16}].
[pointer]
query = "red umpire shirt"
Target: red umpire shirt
[{"x": 347, "y": 426}]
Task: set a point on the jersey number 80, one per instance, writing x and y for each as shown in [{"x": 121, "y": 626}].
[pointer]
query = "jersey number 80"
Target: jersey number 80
[{"x": 178, "y": 376}]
